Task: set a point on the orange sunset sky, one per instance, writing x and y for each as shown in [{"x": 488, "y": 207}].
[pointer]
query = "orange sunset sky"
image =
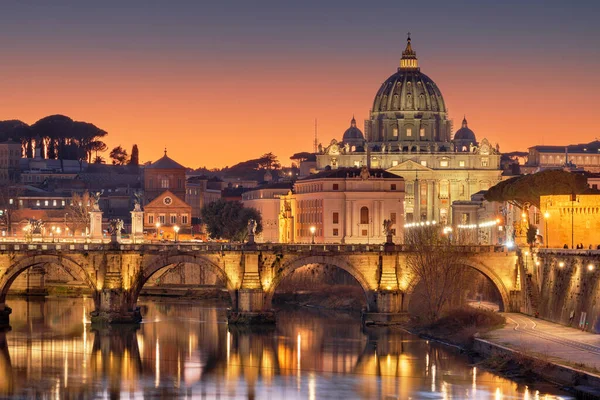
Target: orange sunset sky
[{"x": 220, "y": 84}]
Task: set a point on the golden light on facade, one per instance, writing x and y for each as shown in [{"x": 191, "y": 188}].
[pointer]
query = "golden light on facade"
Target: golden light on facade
[
  {"x": 561, "y": 264},
  {"x": 591, "y": 267},
  {"x": 546, "y": 215}
]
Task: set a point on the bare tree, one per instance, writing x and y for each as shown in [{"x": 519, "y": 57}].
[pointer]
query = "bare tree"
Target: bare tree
[
  {"x": 437, "y": 265},
  {"x": 77, "y": 213}
]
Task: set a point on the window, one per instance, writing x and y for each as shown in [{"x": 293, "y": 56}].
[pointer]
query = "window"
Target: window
[
  {"x": 444, "y": 163},
  {"x": 173, "y": 218},
  {"x": 336, "y": 218},
  {"x": 408, "y": 131},
  {"x": 364, "y": 215},
  {"x": 461, "y": 189},
  {"x": 336, "y": 232},
  {"x": 336, "y": 186},
  {"x": 461, "y": 163},
  {"x": 164, "y": 183},
  {"x": 184, "y": 219},
  {"x": 395, "y": 132},
  {"x": 393, "y": 217},
  {"x": 485, "y": 162},
  {"x": 11, "y": 201},
  {"x": 54, "y": 203},
  {"x": 357, "y": 164},
  {"x": 161, "y": 219},
  {"x": 364, "y": 232},
  {"x": 150, "y": 219},
  {"x": 422, "y": 132},
  {"x": 424, "y": 163},
  {"x": 46, "y": 203},
  {"x": 394, "y": 163},
  {"x": 393, "y": 186}
]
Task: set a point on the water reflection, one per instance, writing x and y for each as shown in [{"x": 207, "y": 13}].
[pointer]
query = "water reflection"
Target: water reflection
[{"x": 188, "y": 351}]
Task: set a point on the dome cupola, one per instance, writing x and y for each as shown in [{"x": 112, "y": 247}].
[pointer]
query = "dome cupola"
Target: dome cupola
[
  {"x": 353, "y": 136},
  {"x": 464, "y": 133}
]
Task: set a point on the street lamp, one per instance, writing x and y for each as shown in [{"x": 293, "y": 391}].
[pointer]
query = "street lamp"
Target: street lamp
[
  {"x": 157, "y": 228},
  {"x": 312, "y": 232},
  {"x": 546, "y": 216},
  {"x": 176, "y": 229}
]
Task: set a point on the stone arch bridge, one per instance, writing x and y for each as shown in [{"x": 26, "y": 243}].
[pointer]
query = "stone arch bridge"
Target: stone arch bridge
[{"x": 116, "y": 272}]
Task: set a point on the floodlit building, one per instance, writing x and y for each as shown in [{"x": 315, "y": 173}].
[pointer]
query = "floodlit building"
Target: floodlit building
[
  {"x": 409, "y": 134},
  {"x": 343, "y": 205}
]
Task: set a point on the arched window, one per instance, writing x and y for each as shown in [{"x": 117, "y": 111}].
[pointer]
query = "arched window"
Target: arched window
[{"x": 364, "y": 215}]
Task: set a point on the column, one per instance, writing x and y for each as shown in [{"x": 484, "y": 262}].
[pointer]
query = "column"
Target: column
[
  {"x": 347, "y": 219},
  {"x": 137, "y": 225},
  {"x": 429, "y": 200},
  {"x": 95, "y": 225}
]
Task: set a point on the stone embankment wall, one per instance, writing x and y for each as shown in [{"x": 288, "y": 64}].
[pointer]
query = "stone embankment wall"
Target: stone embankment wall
[{"x": 568, "y": 284}]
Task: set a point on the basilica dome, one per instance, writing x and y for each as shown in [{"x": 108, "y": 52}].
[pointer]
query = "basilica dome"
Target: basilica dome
[
  {"x": 408, "y": 106},
  {"x": 353, "y": 136},
  {"x": 464, "y": 133}
]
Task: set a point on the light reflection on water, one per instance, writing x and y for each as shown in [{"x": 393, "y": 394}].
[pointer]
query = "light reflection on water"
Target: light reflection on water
[{"x": 189, "y": 351}]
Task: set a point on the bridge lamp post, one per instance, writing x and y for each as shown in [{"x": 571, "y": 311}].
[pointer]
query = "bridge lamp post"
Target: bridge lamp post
[
  {"x": 546, "y": 217},
  {"x": 176, "y": 229},
  {"x": 312, "y": 232},
  {"x": 157, "y": 228}
]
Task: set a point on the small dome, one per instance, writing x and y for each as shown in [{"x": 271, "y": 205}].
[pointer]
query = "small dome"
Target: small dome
[
  {"x": 464, "y": 133},
  {"x": 353, "y": 135}
]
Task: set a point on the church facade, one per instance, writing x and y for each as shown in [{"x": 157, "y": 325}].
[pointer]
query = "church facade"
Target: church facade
[{"x": 409, "y": 134}]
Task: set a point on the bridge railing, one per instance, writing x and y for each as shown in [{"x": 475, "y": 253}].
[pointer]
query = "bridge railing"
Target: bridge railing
[
  {"x": 231, "y": 247},
  {"x": 569, "y": 252}
]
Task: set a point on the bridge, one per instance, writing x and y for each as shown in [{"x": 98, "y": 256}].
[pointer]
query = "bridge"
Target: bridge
[{"x": 116, "y": 272}]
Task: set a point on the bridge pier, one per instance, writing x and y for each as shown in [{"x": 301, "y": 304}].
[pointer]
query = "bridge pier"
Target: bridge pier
[
  {"x": 5, "y": 312},
  {"x": 250, "y": 308},
  {"x": 388, "y": 309},
  {"x": 112, "y": 307}
]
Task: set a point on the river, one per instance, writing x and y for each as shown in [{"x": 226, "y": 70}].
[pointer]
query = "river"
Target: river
[{"x": 187, "y": 350}]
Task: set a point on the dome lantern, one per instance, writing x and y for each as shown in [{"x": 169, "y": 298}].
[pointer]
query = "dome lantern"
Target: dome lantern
[{"x": 409, "y": 57}]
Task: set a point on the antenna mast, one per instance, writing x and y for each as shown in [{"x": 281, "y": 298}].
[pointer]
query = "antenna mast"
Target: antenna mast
[{"x": 316, "y": 143}]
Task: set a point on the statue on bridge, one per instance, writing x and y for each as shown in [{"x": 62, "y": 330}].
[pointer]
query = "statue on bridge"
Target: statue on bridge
[
  {"x": 36, "y": 226},
  {"x": 137, "y": 200},
  {"x": 251, "y": 230},
  {"x": 115, "y": 228},
  {"x": 95, "y": 198},
  {"x": 387, "y": 229}
]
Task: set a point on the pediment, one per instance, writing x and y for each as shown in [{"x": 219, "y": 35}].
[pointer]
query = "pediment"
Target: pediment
[
  {"x": 409, "y": 165},
  {"x": 159, "y": 202}
]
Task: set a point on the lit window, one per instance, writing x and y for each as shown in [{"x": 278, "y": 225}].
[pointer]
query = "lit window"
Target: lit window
[
  {"x": 444, "y": 163},
  {"x": 173, "y": 218},
  {"x": 54, "y": 203},
  {"x": 394, "y": 163},
  {"x": 357, "y": 164},
  {"x": 11, "y": 201},
  {"x": 150, "y": 219},
  {"x": 395, "y": 132},
  {"x": 422, "y": 132},
  {"x": 424, "y": 163},
  {"x": 164, "y": 183},
  {"x": 485, "y": 162},
  {"x": 408, "y": 131},
  {"x": 184, "y": 219},
  {"x": 62, "y": 203},
  {"x": 461, "y": 163},
  {"x": 46, "y": 203}
]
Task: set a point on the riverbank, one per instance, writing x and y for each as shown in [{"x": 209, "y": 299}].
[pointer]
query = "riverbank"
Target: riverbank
[{"x": 475, "y": 332}]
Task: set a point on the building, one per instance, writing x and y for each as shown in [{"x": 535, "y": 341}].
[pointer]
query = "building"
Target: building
[
  {"x": 265, "y": 199},
  {"x": 478, "y": 221},
  {"x": 571, "y": 220},
  {"x": 165, "y": 214},
  {"x": 10, "y": 155},
  {"x": 409, "y": 134},
  {"x": 164, "y": 174},
  {"x": 584, "y": 156},
  {"x": 202, "y": 190},
  {"x": 343, "y": 205}
]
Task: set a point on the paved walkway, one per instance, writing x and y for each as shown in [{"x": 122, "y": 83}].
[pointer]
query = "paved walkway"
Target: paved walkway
[{"x": 556, "y": 342}]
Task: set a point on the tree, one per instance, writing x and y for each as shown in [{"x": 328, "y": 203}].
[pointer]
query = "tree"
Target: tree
[
  {"x": 77, "y": 213},
  {"x": 268, "y": 161},
  {"x": 437, "y": 265},
  {"x": 528, "y": 188},
  {"x": 229, "y": 220},
  {"x": 135, "y": 156},
  {"x": 99, "y": 160},
  {"x": 118, "y": 155},
  {"x": 531, "y": 234},
  {"x": 302, "y": 156}
]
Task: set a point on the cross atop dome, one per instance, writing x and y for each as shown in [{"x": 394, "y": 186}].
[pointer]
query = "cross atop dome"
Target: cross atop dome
[
  {"x": 409, "y": 56},
  {"x": 464, "y": 122}
]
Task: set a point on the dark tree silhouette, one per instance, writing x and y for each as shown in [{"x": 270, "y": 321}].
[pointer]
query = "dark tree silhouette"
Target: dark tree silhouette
[
  {"x": 118, "y": 155},
  {"x": 229, "y": 219},
  {"x": 135, "y": 156}
]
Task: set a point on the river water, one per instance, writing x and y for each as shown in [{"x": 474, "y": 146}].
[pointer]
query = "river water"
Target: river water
[{"x": 187, "y": 350}]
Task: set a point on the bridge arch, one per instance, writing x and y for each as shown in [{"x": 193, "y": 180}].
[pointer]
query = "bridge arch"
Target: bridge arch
[
  {"x": 161, "y": 262},
  {"x": 336, "y": 261},
  {"x": 487, "y": 272},
  {"x": 71, "y": 267}
]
